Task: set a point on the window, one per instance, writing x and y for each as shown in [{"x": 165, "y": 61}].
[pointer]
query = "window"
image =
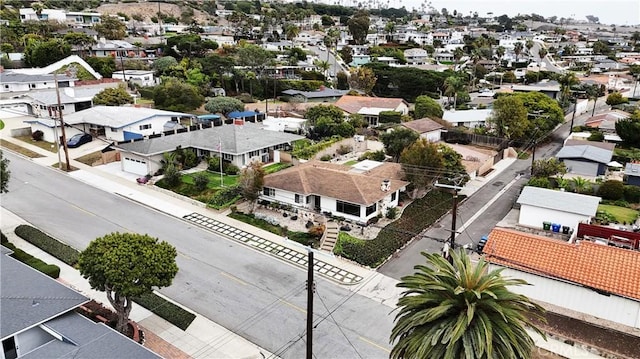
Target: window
[
  {"x": 348, "y": 208},
  {"x": 32, "y": 86},
  {"x": 6, "y": 86},
  {"x": 372, "y": 208},
  {"x": 145, "y": 127},
  {"x": 393, "y": 196},
  {"x": 269, "y": 192},
  {"x": 298, "y": 198},
  {"x": 114, "y": 129}
]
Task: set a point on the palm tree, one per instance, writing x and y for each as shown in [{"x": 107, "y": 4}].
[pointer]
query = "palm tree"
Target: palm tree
[
  {"x": 457, "y": 55},
  {"x": 323, "y": 65},
  {"x": 566, "y": 81},
  {"x": 291, "y": 31},
  {"x": 452, "y": 85},
  {"x": 529, "y": 45},
  {"x": 542, "y": 52},
  {"x": 581, "y": 185},
  {"x": 462, "y": 311},
  {"x": 517, "y": 49}
]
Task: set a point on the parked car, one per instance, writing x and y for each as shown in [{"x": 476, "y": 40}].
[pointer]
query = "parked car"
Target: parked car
[
  {"x": 481, "y": 244},
  {"x": 79, "y": 140}
]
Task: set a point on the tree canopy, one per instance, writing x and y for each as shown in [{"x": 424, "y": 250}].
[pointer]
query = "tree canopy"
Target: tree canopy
[
  {"x": 126, "y": 266},
  {"x": 114, "y": 96},
  {"x": 462, "y": 310},
  {"x": 251, "y": 182},
  {"x": 629, "y": 130},
  {"x": 175, "y": 95},
  {"x": 362, "y": 78},
  {"x": 397, "y": 140},
  {"x": 427, "y": 107},
  {"x": 5, "y": 174},
  {"x": 508, "y": 118},
  {"x": 111, "y": 28},
  {"x": 359, "y": 26},
  {"x": 41, "y": 53},
  {"x": 313, "y": 114},
  {"x": 224, "y": 105}
]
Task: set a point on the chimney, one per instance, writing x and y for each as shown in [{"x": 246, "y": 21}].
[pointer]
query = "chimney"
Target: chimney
[{"x": 385, "y": 186}]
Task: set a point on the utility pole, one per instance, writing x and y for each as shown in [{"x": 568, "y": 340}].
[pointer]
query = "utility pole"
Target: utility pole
[
  {"x": 454, "y": 211},
  {"x": 64, "y": 137},
  {"x": 575, "y": 106},
  {"x": 310, "y": 287}
]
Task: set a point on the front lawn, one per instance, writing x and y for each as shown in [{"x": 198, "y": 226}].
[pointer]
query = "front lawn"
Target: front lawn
[
  {"x": 214, "y": 179},
  {"x": 42, "y": 144},
  {"x": 214, "y": 195},
  {"x": 621, "y": 214},
  {"x": 351, "y": 163}
]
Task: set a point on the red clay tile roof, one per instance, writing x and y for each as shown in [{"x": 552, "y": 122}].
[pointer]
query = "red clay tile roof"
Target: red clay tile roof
[
  {"x": 423, "y": 125},
  {"x": 353, "y": 104},
  {"x": 337, "y": 181},
  {"x": 598, "y": 266}
]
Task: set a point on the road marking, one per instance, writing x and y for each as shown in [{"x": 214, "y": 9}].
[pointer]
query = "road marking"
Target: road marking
[
  {"x": 293, "y": 306},
  {"x": 374, "y": 344},
  {"x": 184, "y": 255},
  {"x": 232, "y": 277},
  {"x": 486, "y": 206},
  {"x": 82, "y": 210}
]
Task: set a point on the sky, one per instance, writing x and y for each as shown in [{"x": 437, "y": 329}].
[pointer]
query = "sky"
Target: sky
[{"x": 618, "y": 12}]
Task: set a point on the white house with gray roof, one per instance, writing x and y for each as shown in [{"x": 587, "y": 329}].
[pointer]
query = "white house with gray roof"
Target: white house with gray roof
[
  {"x": 585, "y": 160},
  {"x": 39, "y": 319},
  {"x": 538, "y": 205},
  {"x": 114, "y": 123},
  {"x": 16, "y": 82},
  {"x": 239, "y": 145}
]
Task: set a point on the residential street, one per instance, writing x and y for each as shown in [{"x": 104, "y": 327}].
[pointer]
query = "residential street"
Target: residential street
[{"x": 432, "y": 239}]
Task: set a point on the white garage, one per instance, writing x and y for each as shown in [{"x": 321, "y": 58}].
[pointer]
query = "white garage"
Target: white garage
[{"x": 134, "y": 165}]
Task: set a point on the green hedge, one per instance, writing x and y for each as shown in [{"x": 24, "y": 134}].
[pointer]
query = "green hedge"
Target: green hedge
[
  {"x": 390, "y": 117},
  {"x": 224, "y": 197},
  {"x": 420, "y": 214},
  {"x": 308, "y": 151},
  {"x": 51, "y": 270},
  {"x": 168, "y": 311},
  {"x": 63, "y": 252},
  {"x": 303, "y": 238}
]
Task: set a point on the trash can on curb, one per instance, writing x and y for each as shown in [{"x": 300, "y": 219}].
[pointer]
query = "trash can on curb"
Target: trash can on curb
[{"x": 546, "y": 226}]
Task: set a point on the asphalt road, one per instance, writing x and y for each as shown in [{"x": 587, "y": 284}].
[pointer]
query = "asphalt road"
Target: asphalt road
[
  {"x": 258, "y": 297},
  {"x": 432, "y": 239}
]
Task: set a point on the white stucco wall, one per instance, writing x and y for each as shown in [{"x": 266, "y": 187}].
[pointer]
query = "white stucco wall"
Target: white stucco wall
[
  {"x": 534, "y": 216},
  {"x": 49, "y": 134},
  {"x": 157, "y": 126},
  {"x": 433, "y": 136},
  {"x": 575, "y": 297}
]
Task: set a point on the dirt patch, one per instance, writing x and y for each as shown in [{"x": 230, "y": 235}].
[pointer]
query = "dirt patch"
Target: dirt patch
[{"x": 148, "y": 10}]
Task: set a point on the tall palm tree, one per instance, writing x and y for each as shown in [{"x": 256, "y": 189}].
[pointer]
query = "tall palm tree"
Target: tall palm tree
[
  {"x": 542, "y": 53},
  {"x": 529, "y": 45},
  {"x": 323, "y": 65},
  {"x": 517, "y": 49},
  {"x": 452, "y": 85},
  {"x": 500, "y": 50},
  {"x": 567, "y": 80},
  {"x": 461, "y": 311}
]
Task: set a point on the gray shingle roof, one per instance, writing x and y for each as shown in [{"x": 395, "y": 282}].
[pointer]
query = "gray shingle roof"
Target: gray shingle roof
[
  {"x": 632, "y": 169},
  {"x": 28, "y": 297},
  {"x": 588, "y": 152},
  {"x": 327, "y": 92},
  {"x": 11, "y": 77},
  {"x": 235, "y": 140},
  {"x": 559, "y": 200}
]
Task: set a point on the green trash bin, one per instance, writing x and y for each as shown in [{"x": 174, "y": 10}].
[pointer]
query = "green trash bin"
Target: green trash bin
[{"x": 546, "y": 226}]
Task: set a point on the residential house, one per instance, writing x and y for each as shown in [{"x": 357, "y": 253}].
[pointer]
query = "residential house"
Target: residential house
[
  {"x": 138, "y": 77},
  {"x": 72, "y": 99},
  {"x": 285, "y": 124},
  {"x": 549, "y": 88},
  {"x": 73, "y": 59},
  {"x": 632, "y": 174},
  {"x": 370, "y": 107},
  {"x": 118, "y": 49},
  {"x": 585, "y": 160},
  {"x": 324, "y": 94},
  {"x": 566, "y": 209},
  {"x": 39, "y": 319},
  {"x": 426, "y": 128},
  {"x": 114, "y": 123},
  {"x": 582, "y": 276},
  {"x": 237, "y": 144},
  {"x": 606, "y": 122},
  {"x": 356, "y": 193},
  {"x": 416, "y": 56},
  {"x": 17, "y": 82},
  {"x": 72, "y": 18},
  {"x": 467, "y": 118}
]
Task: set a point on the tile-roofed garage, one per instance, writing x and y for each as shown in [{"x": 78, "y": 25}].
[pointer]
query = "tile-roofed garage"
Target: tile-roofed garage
[{"x": 605, "y": 268}]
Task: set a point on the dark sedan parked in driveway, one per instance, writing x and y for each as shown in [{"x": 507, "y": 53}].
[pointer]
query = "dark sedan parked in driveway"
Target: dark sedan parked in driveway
[{"x": 79, "y": 140}]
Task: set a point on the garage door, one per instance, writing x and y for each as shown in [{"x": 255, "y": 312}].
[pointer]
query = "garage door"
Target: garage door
[{"x": 134, "y": 165}]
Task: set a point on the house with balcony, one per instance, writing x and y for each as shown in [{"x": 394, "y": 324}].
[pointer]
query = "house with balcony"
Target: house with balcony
[
  {"x": 416, "y": 56},
  {"x": 356, "y": 193},
  {"x": 72, "y": 18}
]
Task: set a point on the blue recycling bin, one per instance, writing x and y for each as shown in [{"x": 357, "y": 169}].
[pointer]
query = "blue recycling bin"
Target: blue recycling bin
[{"x": 555, "y": 227}]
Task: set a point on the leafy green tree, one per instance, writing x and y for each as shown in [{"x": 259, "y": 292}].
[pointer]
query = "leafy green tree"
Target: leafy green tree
[
  {"x": 105, "y": 66},
  {"x": 397, "y": 140},
  {"x": 224, "y": 105},
  {"x": 362, "y": 78},
  {"x": 254, "y": 57},
  {"x": 629, "y": 131},
  {"x": 114, "y": 96},
  {"x": 540, "y": 182},
  {"x": 359, "y": 26},
  {"x": 251, "y": 182},
  {"x": 453, "y": 165},
  {"x": 427, "y": 107},
  {"x": 163, "y": 64},
  {"x": 452, "y": 86},
  {"x": 333, "y": 112},
  {"x": 346, "y": 53},
  {"x": 190, "y": 45},
  {"x": 126, "y": 266},
  {"x": 543, "y": 112},
  {"x": 616, "y": 98},
  {"x": 200, "y": 181},
  {"x": 111, "y": 28},
  {"x": 5, "y": 173},
  {"x": 421, "y": 162},
  {"x": 328, "y": 127},
  {"x": 171, "y": 175},
  {"x": 549, "y": 167},
  {"x": 462, "y": 310},
  {"x": 174, "y": 95},
  {"x": 343, "y": 81},
  {"x": 509, "y": 117},
  {"x": 45, "y": 52}
]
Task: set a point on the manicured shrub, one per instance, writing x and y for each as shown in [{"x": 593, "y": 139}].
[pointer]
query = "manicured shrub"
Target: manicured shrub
[
  {"x": 166, "y": 310},
  {"x": 231, "y": 169},
  {"x": 200, "y": 181},
  {"x": 224, "y": 197},
  {"x": 392, "y": 212},
  {"x": 325, "y": 158},
  {"x": 63, "y": 252},
  {"x": 51, "y": 270},
  {"x": 37, "y": 135},
  {"x": 611, "y": 190},
  {"x": 541, "y": 182},
  {"x": 632, "y": 194}
]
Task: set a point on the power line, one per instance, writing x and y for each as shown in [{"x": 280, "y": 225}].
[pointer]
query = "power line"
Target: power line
[{"x": 339, "y": 328}]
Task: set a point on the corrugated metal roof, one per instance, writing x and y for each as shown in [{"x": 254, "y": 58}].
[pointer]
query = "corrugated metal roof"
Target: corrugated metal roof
[
  {"x": 559, "y": 200},
  {"x": 588, "y": 152}
]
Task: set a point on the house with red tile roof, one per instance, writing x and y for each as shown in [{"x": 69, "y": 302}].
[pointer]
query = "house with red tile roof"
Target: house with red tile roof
[
  {"x": 370, "y": 107},
  {"x": 357, "y": 193},
  {"x": 591, "y": 278}
]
